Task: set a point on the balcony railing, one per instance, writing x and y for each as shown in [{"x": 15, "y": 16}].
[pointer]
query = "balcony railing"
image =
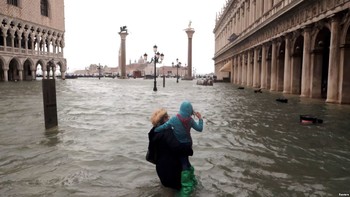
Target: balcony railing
[{"x": 20, "y": 51}]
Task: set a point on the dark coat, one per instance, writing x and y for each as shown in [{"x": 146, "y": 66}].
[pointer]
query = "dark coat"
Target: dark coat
[{"x": 165, "y": 151}]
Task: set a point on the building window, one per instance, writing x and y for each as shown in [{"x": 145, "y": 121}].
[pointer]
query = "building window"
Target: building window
[
  {"x": 12, "y": 2},
  {"x": 44, "y": 7}
]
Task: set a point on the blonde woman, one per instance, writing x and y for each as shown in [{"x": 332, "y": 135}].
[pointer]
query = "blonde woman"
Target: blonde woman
[{"x": 165, "y": 151}]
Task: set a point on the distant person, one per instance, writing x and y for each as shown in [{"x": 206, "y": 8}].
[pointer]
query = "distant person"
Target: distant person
[
  {"x": 164, "y": 151},
  {"x": 181, "y": 125}
]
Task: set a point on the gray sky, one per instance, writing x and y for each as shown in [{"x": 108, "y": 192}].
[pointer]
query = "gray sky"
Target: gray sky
[{"x": 92, "y": 29}]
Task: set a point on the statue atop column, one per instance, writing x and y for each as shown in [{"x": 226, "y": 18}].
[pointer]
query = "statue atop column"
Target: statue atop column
[
  {"x": 189, "y": 26},
  {"x": 123, "y": 29},
  {"x": 189, "y": 31}
]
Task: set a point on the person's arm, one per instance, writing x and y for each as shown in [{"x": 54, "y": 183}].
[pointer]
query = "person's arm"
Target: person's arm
[
  {"x": 199, "y": 126},
  {"x": 163, "y": 127}
]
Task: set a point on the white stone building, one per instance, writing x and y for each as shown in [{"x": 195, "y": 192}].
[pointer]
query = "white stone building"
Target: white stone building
[
  {"x": 294, "y": 46},
  {"x": 31, "y": 38}
]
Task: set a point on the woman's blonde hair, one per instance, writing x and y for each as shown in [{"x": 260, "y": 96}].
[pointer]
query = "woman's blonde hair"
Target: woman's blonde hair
[{"x": 157, "y": 116}]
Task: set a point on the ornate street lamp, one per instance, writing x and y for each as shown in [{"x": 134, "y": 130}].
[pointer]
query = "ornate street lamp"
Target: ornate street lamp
[
  {"x": 158, "y": 58},
  {"x": 178, "y": 65}
]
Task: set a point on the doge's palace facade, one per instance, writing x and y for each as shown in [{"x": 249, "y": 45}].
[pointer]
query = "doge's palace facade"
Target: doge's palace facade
[
  {"x": 31, "y": 37},
  {"x": 294, "y": 46}
]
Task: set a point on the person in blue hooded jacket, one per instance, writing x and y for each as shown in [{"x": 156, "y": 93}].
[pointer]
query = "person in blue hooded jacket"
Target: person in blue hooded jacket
[{"x": 181, "y": 125}]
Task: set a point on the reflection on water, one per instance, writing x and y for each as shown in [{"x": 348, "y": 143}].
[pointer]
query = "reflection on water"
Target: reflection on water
[{"x": 250, "y": 146}]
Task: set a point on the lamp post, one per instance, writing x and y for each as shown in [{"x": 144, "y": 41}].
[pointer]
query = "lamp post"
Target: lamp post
[
  {"x": 178, "y": 64},
  {"x": 156, "y": 60},
  {"x": 99, "y": 67},
  {"x": 163, "y": 78}
]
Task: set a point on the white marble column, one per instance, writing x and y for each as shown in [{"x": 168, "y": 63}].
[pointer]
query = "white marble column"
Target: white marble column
[
  {"x": 239, "y": 65},
  {"x": 6, "y": 77},
  {"x": 287, "y": 66},
  {"x": 256, "y": 70},
  {"x": 244, "y": 69},
  {"x": 263, "y": 67},
  {"x": 123, "y": 54},
  {"x": 305, "y": 76},
  {"x": 273, "y": 86},
  {"x": 234, "y": 69},
  {"x": 333, "y": 66},
  {"x": 249, "y": 69}
]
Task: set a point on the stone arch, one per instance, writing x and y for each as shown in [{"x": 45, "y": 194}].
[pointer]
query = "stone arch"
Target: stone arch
[
  {"x": 297, "y": 62},
  {"x": 27, "y": 70},
  {"x": 40, "y": 68},
  {"x": 13, "y": 72},
  {"x": 319, "y": 72}
]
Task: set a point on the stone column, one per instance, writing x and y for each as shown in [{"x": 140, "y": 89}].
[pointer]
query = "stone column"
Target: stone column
[
  {"x": 287, "y": 88},
  {"x": 32, "y": 35},
  {"x": 122, "y": 60},
  {"x": 33, "y": 74},
  {"x": 232, "y": 70},
  {"x": 6, "y": 77},
  {"x": 4, "y": 35},
  {"x": 263, "y": 67},
  {"x": 255, "y": 71},
  {"x": 43, "y": 70},
  {"x": 305, "y": 75},
  {"x": 333, "y": 66},
  {"x": 190, "y": 31},
  {"x": 26, "y": 42},
  {"x": 273, "y": 86},
  {"x": 244, "y": 69},
  {"x": 249, "y": 69},
  {"x": 20, "y": 44},
  {"x": 54, "y": 71},
  {"x": 12, "y": 33},
  {"x": 252, "y": 10},
  {"x": 20, "y": 74},
  {"x": 63, "y": 71},
  {"x": 235, "y": 70},
  {"x": 239, "y": 77}
]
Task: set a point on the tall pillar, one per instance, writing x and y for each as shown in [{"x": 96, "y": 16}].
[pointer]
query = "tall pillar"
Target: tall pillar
[
  {"x": 239, "y": 68},
  {"x": 305, "y": 75},
  {"x": 249, "y": 69},
  {"x": 256, "y": 70},
  {"x": 20, "y": 73},
  {"x": 244, "y": 69},
  {"x": 232, "y": 69},
  {"x": 273, "y": 86},
  {"x": 333, "y": 66},
  {"x": 235, "y": 70},
  {"x": 122, "y": 60},
  {"x": 190, "y": 31},
  {"x": 12, "y": 33},
  {"x": 6, "y": 77},
  {"x": 33, "y": 74},
  {"x": 263, "y": 67},
  {"x": 26, "y": 42},
  {"x": 287, "y": 88}
]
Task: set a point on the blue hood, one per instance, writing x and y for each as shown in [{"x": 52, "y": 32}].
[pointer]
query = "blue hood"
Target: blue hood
[{"x": 186, "y": 109}]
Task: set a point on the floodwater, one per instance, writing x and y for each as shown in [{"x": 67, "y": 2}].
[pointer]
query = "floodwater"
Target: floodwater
[{"x": 251, "y": 145}]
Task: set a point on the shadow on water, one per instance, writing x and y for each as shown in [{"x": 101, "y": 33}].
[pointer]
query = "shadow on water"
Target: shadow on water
[{"x": 251, "y": 145}]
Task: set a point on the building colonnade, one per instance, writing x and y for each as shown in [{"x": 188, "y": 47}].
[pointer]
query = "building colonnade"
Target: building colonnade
[
  {"x": 25, "y": 46},
  {"x": 294, "y": 55}
]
